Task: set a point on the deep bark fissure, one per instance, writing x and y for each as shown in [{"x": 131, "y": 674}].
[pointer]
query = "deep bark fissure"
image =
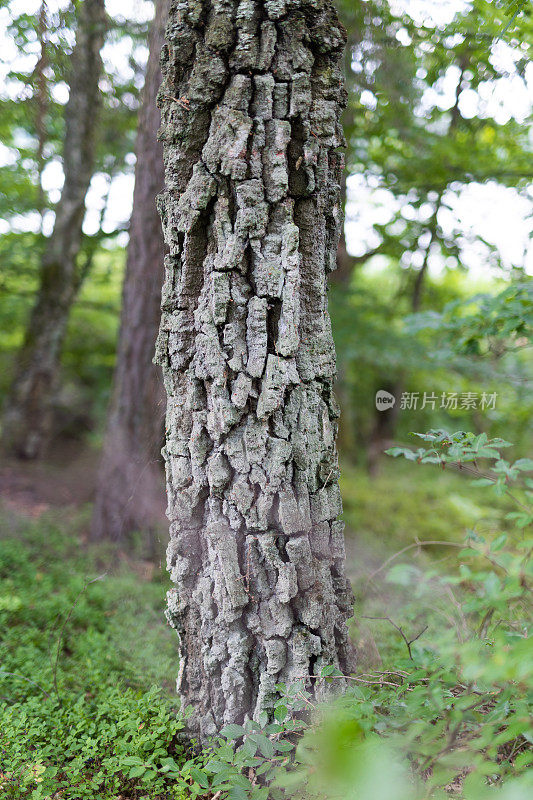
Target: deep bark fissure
[{"x": 251, "y": 215}]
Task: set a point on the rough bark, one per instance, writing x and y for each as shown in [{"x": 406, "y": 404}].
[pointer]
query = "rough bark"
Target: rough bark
[
  {"x": 251, "y": 100},
  {"x": 28, "y": 414},
  {"x": 129, "y": 494}
]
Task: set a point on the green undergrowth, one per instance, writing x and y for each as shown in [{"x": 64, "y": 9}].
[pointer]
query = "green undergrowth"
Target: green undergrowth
[
  {"x": 438, "y": 707},
  {"x": 76, "y": 684}
]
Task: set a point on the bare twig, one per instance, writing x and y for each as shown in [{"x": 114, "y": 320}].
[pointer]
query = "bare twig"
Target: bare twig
[
  {"x": 408, "y": 642},
  {"x": 378, "y": 679}
]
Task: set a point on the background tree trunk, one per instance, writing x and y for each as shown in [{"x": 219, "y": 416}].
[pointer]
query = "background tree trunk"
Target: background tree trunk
[
  {"x": 129, "y": 494},
  {"x": 28, "y": 413},
  {"x": 251, "y": 100},
  {"x": 341, "y": 278}
]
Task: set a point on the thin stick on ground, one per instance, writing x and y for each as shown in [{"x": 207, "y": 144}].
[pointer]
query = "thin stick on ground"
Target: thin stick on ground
[{"x": 22, "y": 678}]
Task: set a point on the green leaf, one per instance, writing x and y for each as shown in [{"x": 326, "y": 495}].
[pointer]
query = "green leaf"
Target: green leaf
[
  {"x": 232, "y": 731},
  {"x": 260, "y": 793},
  {"x": 524, "y": 464},
  {"x": 200, "y": 777},
  {"x": 136, "y": 772},
  {"x": 265, "y": 745},
  {"x": 249, "y": 747},
  {"x": 236, "y": 793},
  {"x": 169, "y": 763},
  {"x": 130, "y": 761},
  {"x": 499, "y": 542},
  {"x": 283, "y": 746},
  {"x": 215, "y": 766}
]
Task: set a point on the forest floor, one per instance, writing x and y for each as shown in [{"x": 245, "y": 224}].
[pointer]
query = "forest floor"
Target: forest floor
[
  {"x": 384, "y": 514},
  {"x": 72, "y": 615},
  {"x": 66, "y": 478}
]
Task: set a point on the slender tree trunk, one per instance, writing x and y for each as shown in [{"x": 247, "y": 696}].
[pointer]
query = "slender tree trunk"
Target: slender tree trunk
[
  {"x": 251, "y": 101},
  {"x": 129, "y": 494},
  {"x": 41, "y": 98},
  {"x": 346, "y": 438},
  {"x": 28, "y": 414}
]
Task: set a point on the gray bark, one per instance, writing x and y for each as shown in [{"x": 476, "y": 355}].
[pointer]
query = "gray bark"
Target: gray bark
[
  {"x": 28, "y": 414},
  {"x": 251, "y": 100},
  {"x": 129, "y": 494}
]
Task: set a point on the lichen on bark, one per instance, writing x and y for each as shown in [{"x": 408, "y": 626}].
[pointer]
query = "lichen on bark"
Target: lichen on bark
[{"x": 251, "y": 101}]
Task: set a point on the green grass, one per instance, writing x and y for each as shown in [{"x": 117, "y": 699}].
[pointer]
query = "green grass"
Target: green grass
[
  {"x": 75, "y": 686},
  {"x": 385, "y": 513},
  {"x": 48, "y": 574}
]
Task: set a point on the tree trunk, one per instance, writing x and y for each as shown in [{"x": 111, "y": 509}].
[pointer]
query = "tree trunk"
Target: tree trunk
[
  {"x": 341, "y": 279},
  {"x": 41, "y": 103},
  {"x": 251, "y": 100},
  {"x": 28, "y": 414},
  {"x": 129, "y": 494}
]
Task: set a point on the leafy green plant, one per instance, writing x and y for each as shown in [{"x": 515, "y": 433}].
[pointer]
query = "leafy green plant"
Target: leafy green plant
[
  {"x": 446, "y": 713},
  {"x": 484, "y": 324},
  {"x": 449, "y": 711}
]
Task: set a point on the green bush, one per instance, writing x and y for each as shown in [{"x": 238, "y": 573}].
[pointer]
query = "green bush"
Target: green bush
[
  {"x": 447, "y": 712},
  {"x": 98, "y": 743}
]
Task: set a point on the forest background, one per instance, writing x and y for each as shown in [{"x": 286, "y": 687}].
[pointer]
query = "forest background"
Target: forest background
[{"x": 432, "y": 303}]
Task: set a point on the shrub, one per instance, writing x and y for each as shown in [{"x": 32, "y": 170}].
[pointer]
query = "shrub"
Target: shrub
[{"x": 447, "y": 714}]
